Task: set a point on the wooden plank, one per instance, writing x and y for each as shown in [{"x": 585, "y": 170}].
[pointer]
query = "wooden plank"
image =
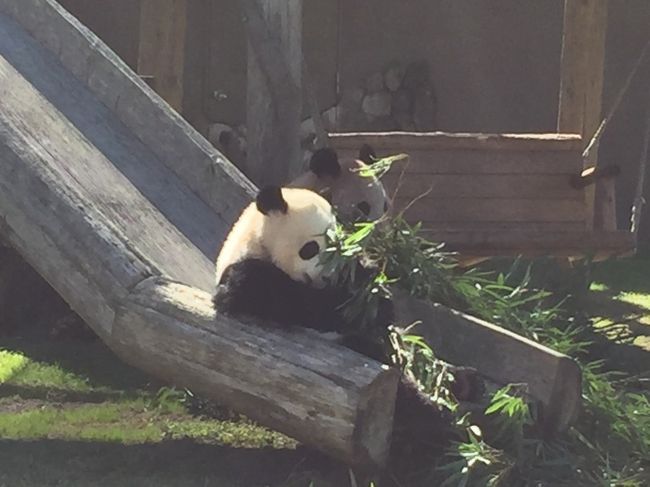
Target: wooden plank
[
  {"x": 496, "y": 226},
  {"x": 491, "y": 210},
  {"x": 455, "y": 186},
  {"x": 581, "y": 78},
  {"x": 409, "y": 141},
  {"x": 474, "y": 162},
  {"x": 531, "y": 243},
  {"x": 161, "y": 47},
  {"x": 274, "y": 93},
  {"x": 77, "y": 139},
  {"x": 171, "y": 331},
  {"x": 553, "y": 379},
  {"x": 166, "y": 134}
]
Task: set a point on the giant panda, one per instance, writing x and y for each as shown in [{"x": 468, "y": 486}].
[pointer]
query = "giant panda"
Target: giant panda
[
  {"x": 269, "y": 268},
  {"x": 355, "y": 197}
]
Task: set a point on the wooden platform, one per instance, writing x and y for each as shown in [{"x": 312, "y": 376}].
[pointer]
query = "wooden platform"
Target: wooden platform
[{"x": 491, "y": 194}]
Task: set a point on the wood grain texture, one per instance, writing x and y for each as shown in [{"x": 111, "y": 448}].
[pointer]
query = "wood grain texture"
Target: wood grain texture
[
  {"x": 581, "y": 85},
  {"x": 542, "y": 187},
  {"x": 492, "y": 210},
  {"x": 553, "y": 379},
  {"x": 274, "y": 89},
  {"x": 161, "y": 47},
  {"x": 319, "y": 393},
  {"x": 474, "y": 162},
  {"x": 87, "y": 148},
  {"x": 410, "y": 141},
  {"x": 566, "y": 242},
  {"x": 144, "y": 113}
]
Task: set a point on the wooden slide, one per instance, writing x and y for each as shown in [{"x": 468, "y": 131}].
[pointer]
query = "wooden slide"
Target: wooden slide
[{"x": 122, "y": 206}]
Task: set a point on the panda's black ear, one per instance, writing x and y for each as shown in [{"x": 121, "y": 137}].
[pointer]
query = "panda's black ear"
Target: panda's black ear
[
  {"x": 325, "y": 162},
  {"x": 367, "y": 154},
  {"x": 270, "y": 199}
]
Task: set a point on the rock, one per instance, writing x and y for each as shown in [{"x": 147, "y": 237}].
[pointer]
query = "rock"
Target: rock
[
  {"x": 375, "y": 83},
  {"x": 424, "y": 113},
  {"x": 416, "y": 76},
  {"x": 377, "y": 104},
  {"x": 402, "y": 103},
  {"x": 215, "y": 130},
  {"x": 330, "y": 118},
  {"x": 393, "y": 77},
  {"x": 383, "y": 124},
  {"x": 351, "y": 99},
  {"x": 307, "y": 128}
]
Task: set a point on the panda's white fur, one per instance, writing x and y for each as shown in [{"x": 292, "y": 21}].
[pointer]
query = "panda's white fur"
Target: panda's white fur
[{"x": 278, "y": 236}]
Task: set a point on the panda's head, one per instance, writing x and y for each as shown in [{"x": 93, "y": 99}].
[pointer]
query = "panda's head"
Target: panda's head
[
  {"x": 354, "y": 196},
  {"x": 286, "y": 226}
]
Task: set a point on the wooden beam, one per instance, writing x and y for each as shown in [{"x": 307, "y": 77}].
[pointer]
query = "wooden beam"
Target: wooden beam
[
  {"x": 504, "y": 357},
  {"x": 274, "y": 93},
  {"x": 293, "y": 381},
  {"x": 581, "y": 87},
  {"x": 161, "y": 47}
]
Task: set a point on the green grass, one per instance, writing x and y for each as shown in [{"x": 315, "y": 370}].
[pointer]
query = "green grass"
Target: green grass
[
  {"x": 19, "y": 370},
  {"x": 73, "y": 414}
]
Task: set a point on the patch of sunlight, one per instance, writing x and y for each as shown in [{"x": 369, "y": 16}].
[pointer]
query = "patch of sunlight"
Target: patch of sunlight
[
  {"x": 17, "y": 369},
  {"x": 638, "y": 299},
  {"x": 10, "y": 364},
  {"x": 125, "y": 422},
  {"x": 242, "y": 434},
  {"x": 598, "y": 287}
]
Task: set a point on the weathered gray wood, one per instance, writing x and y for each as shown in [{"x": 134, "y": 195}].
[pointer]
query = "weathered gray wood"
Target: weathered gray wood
[
  {"x": 45, "y": 109},
  {"x": 293, "y": 381},
  {"x": 542, "y": 187},
  {"x": 492, "y": 209},
  {"x": 161, "y": 47},
  {"x": 145, "y": 114},
  {"x": 409, "y": 141},
  {"x": 274, "y": 89},
  {"x": 553, "y": 379}
]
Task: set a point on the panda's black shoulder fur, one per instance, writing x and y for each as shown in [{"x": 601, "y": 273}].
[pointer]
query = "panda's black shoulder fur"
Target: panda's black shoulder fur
[{"x": 257, "y": 288}]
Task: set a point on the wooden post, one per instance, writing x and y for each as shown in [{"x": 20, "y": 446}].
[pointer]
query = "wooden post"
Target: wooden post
[
  {"x": 161, "y": 47},
  {"x": 274, "y": 95},
  {"x": 581, "y": 87}
]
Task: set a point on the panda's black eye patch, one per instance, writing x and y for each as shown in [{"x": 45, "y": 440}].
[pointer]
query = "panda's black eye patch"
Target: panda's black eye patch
[
  {"x": 309, "y": 250},
  {"x": 364, "y": 207}
]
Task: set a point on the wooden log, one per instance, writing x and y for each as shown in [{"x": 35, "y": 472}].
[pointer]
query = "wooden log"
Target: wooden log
[
  {"x": 161, "y": 47},
  {"x": 504, "y": 357},
  {"x": 143, "y": 112},
  {"x": 295, "y": 382},
  {"x": 274, "y": 89}
]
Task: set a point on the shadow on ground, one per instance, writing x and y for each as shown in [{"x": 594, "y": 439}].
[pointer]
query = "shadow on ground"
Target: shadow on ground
[{"x": 169, "y": 463}]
